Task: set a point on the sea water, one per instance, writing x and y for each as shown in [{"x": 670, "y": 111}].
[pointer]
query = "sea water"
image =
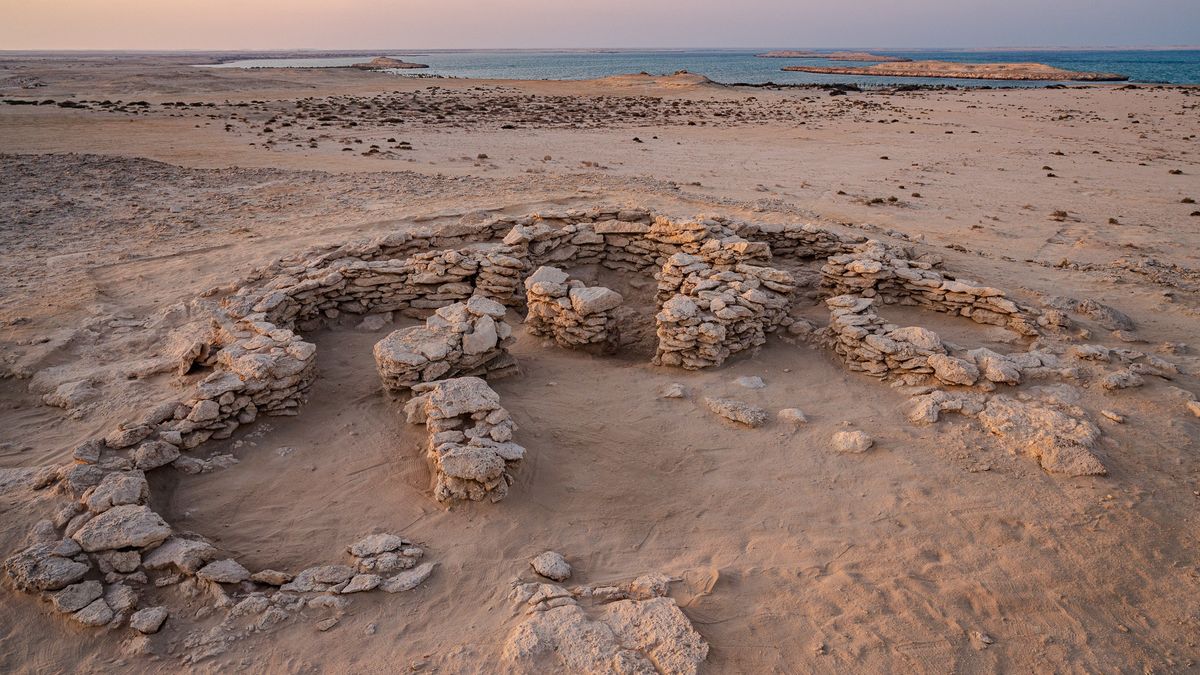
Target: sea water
[{"x": 1180, "y": 66}]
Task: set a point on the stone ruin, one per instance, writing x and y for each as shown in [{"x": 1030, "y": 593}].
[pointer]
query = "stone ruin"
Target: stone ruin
[
  {"x": 470, "y": 438},
  {"x": 709, "y": 313},
  {"x": 569, "y": 312},
  {"x": 628, "y": 628},
  {"x": 722, "y": 287},
  {"x": 466, "y": 338}
]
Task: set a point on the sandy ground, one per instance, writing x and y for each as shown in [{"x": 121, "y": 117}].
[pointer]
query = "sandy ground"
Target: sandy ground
[{"x": 793, "y": 559}]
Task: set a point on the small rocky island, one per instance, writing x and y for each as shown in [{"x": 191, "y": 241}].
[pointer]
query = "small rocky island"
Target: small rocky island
[
  {"x": 974, "y": 71},
  {"x": 831, "y": 56},
  {"x": 387, "y": 63}
]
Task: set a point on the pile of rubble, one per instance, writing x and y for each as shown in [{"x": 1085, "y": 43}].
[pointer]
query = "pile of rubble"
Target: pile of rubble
[
  {"x": 466, "y": 338},
  {"x": 470, "y": 438},
  {"x": 631, "y": 628},
  {"x": 707, "y": 314},
  {"x": 568, "y": 311}
]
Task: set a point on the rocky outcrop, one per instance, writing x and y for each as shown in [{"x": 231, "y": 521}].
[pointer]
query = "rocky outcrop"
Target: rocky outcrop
[{"x": 611, "y": 629}]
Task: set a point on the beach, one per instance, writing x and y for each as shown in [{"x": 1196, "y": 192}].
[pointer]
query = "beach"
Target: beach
[{"x": 940, "y": 548}]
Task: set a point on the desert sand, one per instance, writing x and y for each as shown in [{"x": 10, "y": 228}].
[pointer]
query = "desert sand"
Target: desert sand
[
  {"x": 1027, "y": 508},
  {"x": 977, "y": 71}
]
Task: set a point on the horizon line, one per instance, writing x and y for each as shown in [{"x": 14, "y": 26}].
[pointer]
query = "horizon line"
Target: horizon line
[{"x": 200, "y": 50}]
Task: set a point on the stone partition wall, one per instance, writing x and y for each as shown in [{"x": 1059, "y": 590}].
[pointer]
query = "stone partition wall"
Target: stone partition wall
[
  {"x": 707, "y": 314},
  {"x": 466, "y": 338},
  {"x": 873, "y": 346},
  {"x": 870, "y": 345},
  {"x": 569, "y": 312},
  {"x": 873, "y": 270},
  {"x": 470, "y": 438}
]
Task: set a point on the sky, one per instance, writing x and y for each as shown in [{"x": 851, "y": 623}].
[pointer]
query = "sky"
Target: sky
[{"x": 459, "y": 24}]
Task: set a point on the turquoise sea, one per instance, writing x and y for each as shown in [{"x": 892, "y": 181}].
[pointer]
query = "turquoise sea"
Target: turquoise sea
[{"x": 729, "y": 66}]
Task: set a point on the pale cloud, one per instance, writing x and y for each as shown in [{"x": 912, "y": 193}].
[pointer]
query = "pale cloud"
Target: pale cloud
[{"x": 417, "y": 24}]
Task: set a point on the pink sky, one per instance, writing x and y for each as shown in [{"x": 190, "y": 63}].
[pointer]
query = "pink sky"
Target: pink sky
[{"x": 419, "y": 24}]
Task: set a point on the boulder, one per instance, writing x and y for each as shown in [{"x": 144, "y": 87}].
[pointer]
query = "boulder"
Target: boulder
[
  {"x": 852, "y": 442},
  {"x": 552, "y": 565}
]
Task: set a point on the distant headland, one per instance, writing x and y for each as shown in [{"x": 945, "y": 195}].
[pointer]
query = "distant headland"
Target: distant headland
[{"x": 973, "y": 71}]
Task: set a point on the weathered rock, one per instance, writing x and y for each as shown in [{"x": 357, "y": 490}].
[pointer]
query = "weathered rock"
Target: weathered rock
[
  {"x": 153, "y": 454},
  {"x": 96, "y": 614},
  {"x": 750, "y": 382},
  {"x": 362, "y": 582},
  {"x": 184, "y": 554},
  {"x": 792, "y": 416},
  {"x": 1061, "y": 443},
  {"x": 77, "y": 596},
  {"x": 148, "y": 620},
  {"x": 408, "y": 579},
  {"x": 627, "y": 636},
  {"x": 118, "y": 488},
  {"x": 224, "y": 572},
  {"x": 594, "y": 300},
  {"x": 737, "y": 411},
  {"x": 41, "y": 568},
  {"x": 319, "y": 578},
  {"x": 552, "y": 565},
  {"x": 126, "y": 526},
  {"x": 271, "y": 577},
  {"x": 952, "y": 370},
  {"x": 376, "y": 544},
  {"x": 852, "y": 441}
]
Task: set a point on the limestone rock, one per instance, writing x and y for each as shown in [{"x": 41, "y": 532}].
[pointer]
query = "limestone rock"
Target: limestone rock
[
  {"x": 117, "y": 489},
  {"x": 148, "y": 620},
  {"x": 362, "y": 582},
  {"x": 376, "y": 544},
  {"x": 792, "y": 416},
  {"x": 41, "y": 568},
  {"x": 750, "y": 382},
  {"x": 952, "y": 370},
  {"x": 77, "y": 596},
  {"x": 153, "y": 454},
  {"x": 125, "y": 526},
  {"x": 852, "y": 442},
  {"x": 737, "y": 411},
  {"x": 1060, "y": 442},
  {"x": 271, "y": 577},
  {"x": 184, "y": 554},
  {"x": 409, "y": 579},
  {"x": 224, "y": 572},
  {"x": 552, "y": 565},
  {"x": 594, "y": 300},
  {"x": 96, "y": 614}
]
